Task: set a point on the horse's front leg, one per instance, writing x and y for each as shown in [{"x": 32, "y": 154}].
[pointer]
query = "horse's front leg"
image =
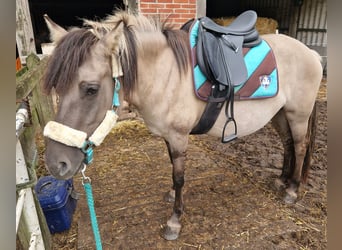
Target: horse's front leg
[{"x": 177, "y": 156}]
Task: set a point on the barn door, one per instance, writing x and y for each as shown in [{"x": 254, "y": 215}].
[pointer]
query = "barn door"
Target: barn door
[
  {"x": 311, "y": 27},
  {"x": 312, "y": 23}
]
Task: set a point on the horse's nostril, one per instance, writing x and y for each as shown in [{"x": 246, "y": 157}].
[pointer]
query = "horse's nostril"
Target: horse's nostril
[{"x": 63, "y": 168}]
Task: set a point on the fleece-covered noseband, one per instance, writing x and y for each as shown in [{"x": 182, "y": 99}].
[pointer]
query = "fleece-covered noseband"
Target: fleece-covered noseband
[{"x": 76, "y": 138}]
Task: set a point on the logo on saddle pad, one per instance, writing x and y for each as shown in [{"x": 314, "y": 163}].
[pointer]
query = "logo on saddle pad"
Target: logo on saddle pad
[{"x": 265, "y": 81}]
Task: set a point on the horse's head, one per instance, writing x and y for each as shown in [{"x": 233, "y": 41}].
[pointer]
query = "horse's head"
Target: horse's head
[{"x": 80, "y": 71}]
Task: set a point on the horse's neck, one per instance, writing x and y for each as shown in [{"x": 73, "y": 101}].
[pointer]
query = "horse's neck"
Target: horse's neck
[{"x": 158, "y": 73}]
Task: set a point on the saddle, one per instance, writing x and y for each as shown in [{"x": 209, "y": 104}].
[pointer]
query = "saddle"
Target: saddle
[
  {"x": 220, "y": 58},
  {"x": 219, "y": 48}
]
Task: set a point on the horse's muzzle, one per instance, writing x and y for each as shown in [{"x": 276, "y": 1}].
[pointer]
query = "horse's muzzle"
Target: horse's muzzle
[{"x": 63, "y": 162}]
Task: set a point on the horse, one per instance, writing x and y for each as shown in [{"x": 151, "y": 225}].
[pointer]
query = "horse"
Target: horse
[{"x": 152, "y": 63}]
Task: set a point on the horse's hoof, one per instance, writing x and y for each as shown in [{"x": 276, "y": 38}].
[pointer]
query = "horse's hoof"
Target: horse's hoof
[
  {"x": 170, "y": 233},
  {"x": 290, "y": 197},
  {"x": 170, "y": 196},
  {"x": 172, "y": 229},
  {"x": 279, "y": 184}
]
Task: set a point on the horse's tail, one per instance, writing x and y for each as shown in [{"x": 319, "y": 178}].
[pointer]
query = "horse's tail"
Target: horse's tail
[{"x": 311, "y": 134}]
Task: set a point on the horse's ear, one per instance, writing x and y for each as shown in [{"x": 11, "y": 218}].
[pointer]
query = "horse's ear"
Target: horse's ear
[
  {"x": 111, "y": 40},
  {"x": 56, "y": 31}
]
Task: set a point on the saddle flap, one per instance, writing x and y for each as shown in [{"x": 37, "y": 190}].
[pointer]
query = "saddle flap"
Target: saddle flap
[{"x": 222, "y": 58}]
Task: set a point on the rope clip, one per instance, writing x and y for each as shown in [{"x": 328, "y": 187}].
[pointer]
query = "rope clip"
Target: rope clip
[{"x": 84, "y": 177}]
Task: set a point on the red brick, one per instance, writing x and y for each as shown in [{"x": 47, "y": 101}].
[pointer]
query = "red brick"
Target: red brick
[
  {"x": 181, "y": 1},
  {"x": 149, "y": 10},
  {"x": 180, "y": 11},
  {"x": 182, "y": 20},
  {"x": 187, "y": 15},
  {"x": 144, "y": 5},
  {"x": 166, "y": 10},
  {"x": 157, "y": 5},
  {"x": 188, "y": 6},
  {"x": 148, "y": 1},
  {"x": 172, "y": 5},
  {"x": 174, "y": 16}
]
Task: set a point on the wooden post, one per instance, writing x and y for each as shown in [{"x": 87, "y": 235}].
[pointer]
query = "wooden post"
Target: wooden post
[
  {"x": 28, "y": 86},
  {"x": 201, "y": 8},
  {"x": 24, "y": 31},
  {"x": 131, "y": 6}
]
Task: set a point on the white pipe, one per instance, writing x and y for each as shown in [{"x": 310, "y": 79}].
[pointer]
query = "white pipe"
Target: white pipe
[
  {"x": 19, "y": 207},
  {"x": 20, "y": 118},
  {"x": 29, "y": 211},
  {"x": 34, "y": 241}
]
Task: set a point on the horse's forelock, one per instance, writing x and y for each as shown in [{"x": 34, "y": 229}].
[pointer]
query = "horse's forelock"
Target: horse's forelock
[{"x": 69, "y": 54}]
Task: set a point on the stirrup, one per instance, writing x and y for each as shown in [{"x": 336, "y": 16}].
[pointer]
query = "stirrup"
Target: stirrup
[{"x": 230, "y": 137}]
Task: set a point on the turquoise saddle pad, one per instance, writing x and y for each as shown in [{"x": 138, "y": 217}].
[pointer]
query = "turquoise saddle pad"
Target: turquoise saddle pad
[{"x": 262, "y": 81}]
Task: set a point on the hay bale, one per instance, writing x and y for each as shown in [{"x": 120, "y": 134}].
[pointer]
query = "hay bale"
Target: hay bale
[{"x": 264, "y": 25}]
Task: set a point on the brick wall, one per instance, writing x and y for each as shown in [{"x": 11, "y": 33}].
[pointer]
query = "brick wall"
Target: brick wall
[{"x": 178, "y": 11}]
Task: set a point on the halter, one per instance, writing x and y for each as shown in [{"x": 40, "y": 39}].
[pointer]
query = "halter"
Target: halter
[{"x": 76, "y": 138}]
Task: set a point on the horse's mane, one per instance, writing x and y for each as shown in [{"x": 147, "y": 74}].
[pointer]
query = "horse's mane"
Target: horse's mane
[
  {"x": 71, "y": 51},
  {"x": 74, "y": 48}
]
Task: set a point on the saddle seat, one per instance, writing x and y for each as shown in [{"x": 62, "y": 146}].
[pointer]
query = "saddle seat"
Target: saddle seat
[{"x": 243, "y": 25}]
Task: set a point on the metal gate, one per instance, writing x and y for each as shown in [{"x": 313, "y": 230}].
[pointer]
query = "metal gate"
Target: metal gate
[
  {"x": 312, "y": 23},
  {"x": 305, "y": 20}
]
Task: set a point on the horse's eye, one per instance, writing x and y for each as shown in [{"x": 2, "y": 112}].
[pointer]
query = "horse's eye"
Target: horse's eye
[
  {"x": 89, "y": 88},
  {"x": 92, "y": 90}
]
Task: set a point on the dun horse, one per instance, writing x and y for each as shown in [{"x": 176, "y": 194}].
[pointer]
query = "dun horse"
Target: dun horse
[{"x": 154, "y": 67}]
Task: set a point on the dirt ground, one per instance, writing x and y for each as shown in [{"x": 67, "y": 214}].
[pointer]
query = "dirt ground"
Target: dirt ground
[{"x": 230, "y": 199}]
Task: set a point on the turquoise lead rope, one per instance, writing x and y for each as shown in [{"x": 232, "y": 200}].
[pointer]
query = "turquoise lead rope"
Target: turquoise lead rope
[
  {"x": 86, "y": 182},
  {"x": 87, "y": 149},
  {"x": 94, "y": 225}
]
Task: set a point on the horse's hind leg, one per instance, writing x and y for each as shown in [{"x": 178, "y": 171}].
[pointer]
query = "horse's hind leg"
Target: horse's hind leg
[
  {"x": 177, "y": 149},
  {"x": 281, "y": 125},
  {"x": 298, "y": 141},
  {"x": 303, "y": 132}
]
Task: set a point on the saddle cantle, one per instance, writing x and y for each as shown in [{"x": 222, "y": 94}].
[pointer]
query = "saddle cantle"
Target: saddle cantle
[{"x": 219, "y": 48}]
